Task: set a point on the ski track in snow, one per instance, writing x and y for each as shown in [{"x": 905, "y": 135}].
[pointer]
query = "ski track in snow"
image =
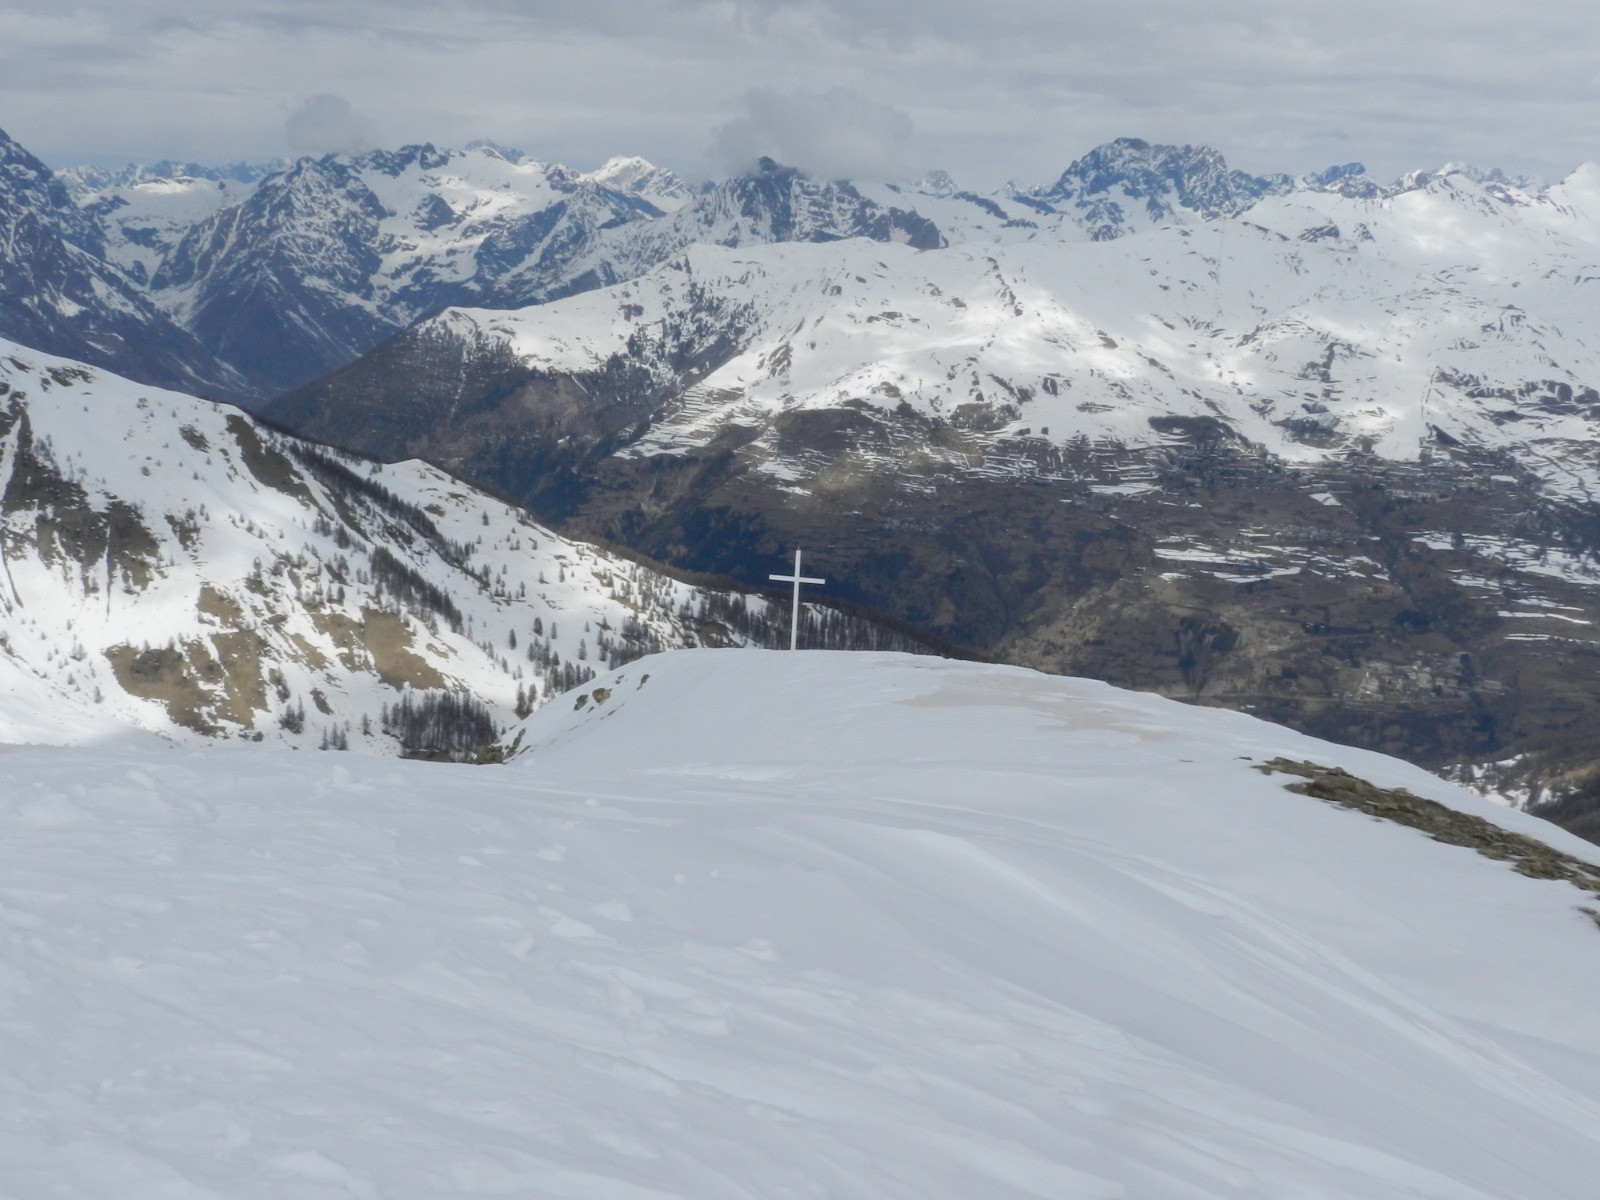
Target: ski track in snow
[{"x": 770, "y": 925}]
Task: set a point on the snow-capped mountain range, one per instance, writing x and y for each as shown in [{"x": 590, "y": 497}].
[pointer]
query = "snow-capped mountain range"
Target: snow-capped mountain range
[
  {"x": 1322, "y": 326},
  {"x": 287, "y": 271},
  {"x": 169, "y": 564},
  {"x": 994, "y": 408},
  {"x": 1333, "y": 457},
  {"x": 61, "y": 292},
  {"x": 326, "y": 259}
]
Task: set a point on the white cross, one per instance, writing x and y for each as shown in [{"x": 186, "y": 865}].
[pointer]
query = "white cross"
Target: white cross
[{"x": 794, "y": 617}]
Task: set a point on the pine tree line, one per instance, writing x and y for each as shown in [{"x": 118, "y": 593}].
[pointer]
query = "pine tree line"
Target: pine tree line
[
  {"x": 764, "y": 623},
  {"x": 410, "y": 587},
  {"x": 340, "y": 478},
  {"x": 439, "y": 725}
]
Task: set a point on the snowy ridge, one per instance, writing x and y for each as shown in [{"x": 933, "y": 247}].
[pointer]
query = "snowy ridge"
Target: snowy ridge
[
  {"x": 1323, "y": 324},
  {"x": 166, "y": 564},
  {"x": 290, "y": 274},
  {"x": 763, "y": 925},
  {"x": 636, "y": 176},
  {"x": 319, "y": 262},
  {"x": 1128, "y": 187}
]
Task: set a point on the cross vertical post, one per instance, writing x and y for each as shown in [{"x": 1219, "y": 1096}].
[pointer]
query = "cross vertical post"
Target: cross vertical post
[{"x": 794, "y": 613}]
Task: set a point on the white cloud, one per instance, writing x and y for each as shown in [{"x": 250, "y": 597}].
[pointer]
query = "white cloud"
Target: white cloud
[
  {"x": 1006, "y": 89},
  {"x": 836, "y": 134},
  {"x": 326, "y": 123}
]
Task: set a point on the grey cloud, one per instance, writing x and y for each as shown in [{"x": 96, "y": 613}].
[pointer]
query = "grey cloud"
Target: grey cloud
[
  {"x": 326, "y": 123},
  {"x": 1010, "y": 88},
  {"x": 836, "y": 134}
]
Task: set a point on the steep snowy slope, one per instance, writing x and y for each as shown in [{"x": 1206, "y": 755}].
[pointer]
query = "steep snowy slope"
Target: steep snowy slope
[
  {"x": 763, "y": 925},
  {"x": 168, "y": 564}
]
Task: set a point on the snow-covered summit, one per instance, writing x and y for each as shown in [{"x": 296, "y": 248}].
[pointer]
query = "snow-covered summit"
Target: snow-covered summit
[
  {"x": 1128, "y": 183},
  {"x": 756, "y": 925},
  {"x": 639, "y": 177}
]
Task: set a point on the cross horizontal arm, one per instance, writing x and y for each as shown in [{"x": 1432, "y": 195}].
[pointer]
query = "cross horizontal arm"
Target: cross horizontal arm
[{"x": 792, "y": 579}]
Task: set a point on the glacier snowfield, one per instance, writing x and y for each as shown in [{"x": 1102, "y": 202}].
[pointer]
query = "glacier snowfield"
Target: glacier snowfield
[{"x": 766, "y": 925}]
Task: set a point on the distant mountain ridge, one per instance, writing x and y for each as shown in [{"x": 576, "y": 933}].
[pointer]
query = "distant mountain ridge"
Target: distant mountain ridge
[
  {"x": 285, "y": 271},
  {"x": 59, "y": 293},
  {"x": 323, "y": 261},
  {"x": 90, "y": 183},
  {"x": 1164, "y": 178},
  {"x": 327, "y": 259}
]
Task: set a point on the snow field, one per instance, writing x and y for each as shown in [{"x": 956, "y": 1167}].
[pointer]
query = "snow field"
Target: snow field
[{"x": 772, "y": 925}]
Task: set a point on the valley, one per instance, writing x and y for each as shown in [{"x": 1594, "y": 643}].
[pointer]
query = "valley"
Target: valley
[
  {"x": 705, "y": 601},
  {"x": 1343, "y": 500},
  {"x": 1319, "y": 448}
]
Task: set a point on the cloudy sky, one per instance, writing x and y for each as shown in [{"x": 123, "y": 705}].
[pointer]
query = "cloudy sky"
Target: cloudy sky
[{"x": 991, "y": 91}]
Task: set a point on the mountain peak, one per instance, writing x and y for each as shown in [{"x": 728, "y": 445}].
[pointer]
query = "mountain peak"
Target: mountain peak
[
  {"x": 937, "y": 183},
  {"x": 27, "y": 186},
  {"x": 392, "y": 162},
  {"x": 771, "y": 168},
  {"x": 636, "y": 176},
  {"x": 1195, "y": 177},
  {"x": 488, "y": 146}
]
